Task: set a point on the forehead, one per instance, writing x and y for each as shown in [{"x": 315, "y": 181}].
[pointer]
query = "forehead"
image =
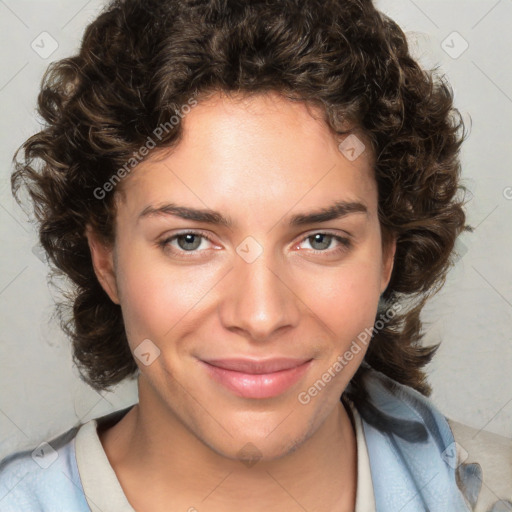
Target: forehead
[{"x": 252, "y": 149}]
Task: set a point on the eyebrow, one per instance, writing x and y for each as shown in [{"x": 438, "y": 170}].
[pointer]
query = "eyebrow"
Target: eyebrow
[{"x": 335, "y": 211}]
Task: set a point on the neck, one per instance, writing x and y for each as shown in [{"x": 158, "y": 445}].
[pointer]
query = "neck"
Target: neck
[{"x": 150, "y": 448}]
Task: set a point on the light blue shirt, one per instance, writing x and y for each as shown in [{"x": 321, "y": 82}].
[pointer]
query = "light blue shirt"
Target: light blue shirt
[{"x": 47, "y": 480}]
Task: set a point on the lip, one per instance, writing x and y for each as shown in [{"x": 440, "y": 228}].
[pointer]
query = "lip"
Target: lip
[{"x": 250, "y": 378}]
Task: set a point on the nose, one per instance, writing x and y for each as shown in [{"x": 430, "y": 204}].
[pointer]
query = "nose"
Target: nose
[{"x": 259, "y": 299}]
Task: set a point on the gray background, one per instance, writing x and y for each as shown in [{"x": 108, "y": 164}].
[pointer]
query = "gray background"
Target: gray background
[{"x": 41, "y": 394}]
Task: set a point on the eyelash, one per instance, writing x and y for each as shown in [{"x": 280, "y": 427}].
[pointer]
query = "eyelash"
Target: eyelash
[{"x": 345, "y": 243}]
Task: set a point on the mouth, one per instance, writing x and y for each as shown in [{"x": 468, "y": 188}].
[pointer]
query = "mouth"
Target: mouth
[{"x": 249, "y": 378}]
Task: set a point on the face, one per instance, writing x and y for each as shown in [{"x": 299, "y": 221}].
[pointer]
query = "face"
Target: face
[{"x": 285, "y": 292}]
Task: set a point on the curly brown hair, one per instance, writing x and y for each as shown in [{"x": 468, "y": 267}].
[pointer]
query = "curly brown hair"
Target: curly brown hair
[{"x": 141, "y": 58}]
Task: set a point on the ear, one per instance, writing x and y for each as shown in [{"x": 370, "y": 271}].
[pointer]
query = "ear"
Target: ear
[
  {"x": 103, "y": 263},
  {"x": 388, "y": 259}
]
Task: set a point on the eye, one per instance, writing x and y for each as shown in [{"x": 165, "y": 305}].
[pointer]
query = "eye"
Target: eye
[
  {"x": 321, "y": 243},
  {"x": 186, "y": 242}
]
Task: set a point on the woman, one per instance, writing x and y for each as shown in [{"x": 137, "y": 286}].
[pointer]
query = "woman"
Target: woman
[{"x": 253, "y": 201}]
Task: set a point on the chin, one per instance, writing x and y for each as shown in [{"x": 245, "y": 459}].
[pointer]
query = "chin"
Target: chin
[{"x": 254, "y": 448}]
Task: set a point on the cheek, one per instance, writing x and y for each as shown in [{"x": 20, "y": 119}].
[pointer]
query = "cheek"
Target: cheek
[
  {"x": 156, "y": 296},
  {"x": 346, "y": 299}
]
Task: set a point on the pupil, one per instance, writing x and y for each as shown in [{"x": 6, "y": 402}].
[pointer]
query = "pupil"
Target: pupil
[
  {"x": 188, "y": 240},
  {"x": 318, "y": 239}
]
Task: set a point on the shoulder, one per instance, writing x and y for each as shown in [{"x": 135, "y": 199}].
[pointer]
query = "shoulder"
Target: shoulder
[
  {"x": 43, "y": 478},
  {"x": 490, "y": 457},
  {"x": 427, "y": 442}
]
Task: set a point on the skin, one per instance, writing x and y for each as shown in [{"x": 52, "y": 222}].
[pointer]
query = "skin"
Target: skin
[{"x": 257, "y": 159}]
